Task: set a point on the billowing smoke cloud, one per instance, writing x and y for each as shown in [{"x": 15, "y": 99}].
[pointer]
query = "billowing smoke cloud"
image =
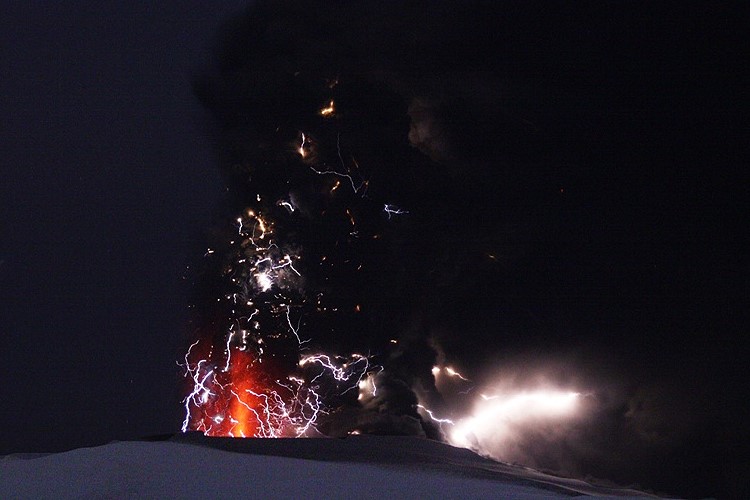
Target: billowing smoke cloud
[
  {"x": 426, "y": 132},
  {"x": 422, "y": 123}
]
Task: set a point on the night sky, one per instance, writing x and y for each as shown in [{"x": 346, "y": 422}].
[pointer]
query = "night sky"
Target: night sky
[{"x": 573, "y": 176}]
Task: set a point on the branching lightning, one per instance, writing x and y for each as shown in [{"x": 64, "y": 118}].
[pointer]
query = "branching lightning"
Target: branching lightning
[
  {"x": 304, "y": 151},
  {"x": 329, "y": 110}
]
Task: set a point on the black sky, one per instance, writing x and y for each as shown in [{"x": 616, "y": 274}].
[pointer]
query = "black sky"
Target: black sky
[
  {"x": 596, "y": 150},
  {"x": 106, "y": 174}
]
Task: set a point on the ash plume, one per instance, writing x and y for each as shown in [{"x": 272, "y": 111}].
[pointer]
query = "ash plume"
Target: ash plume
[{"x": 401, "y": 152}]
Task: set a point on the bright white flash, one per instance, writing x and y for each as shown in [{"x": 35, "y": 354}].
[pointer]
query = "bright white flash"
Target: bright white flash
[
  {"x": 497, "y": 417},
  {"x": 264, "y": 281}
]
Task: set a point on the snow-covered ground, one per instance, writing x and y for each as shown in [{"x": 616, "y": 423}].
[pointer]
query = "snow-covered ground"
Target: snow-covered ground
[{"x": 190, "y": 466}]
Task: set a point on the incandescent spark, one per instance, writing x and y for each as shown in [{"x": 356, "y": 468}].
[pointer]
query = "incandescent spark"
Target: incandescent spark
[{"x": 329, "y": 110}]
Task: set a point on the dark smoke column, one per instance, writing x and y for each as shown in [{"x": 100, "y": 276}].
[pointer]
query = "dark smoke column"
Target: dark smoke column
[{"x": 304, "y": 289}]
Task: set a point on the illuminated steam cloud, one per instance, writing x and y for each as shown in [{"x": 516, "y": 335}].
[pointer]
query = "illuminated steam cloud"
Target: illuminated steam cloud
[{"x": 497, "y": 418}]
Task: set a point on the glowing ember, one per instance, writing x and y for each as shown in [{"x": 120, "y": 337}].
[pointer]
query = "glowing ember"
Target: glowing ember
[{"x": 329, "y": 110}]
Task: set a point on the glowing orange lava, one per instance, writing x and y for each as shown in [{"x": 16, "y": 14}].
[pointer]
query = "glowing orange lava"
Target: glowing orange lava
[
  {"x": 244, "y": 397},
  {"x": 242, "y": 415},
  {"x": 229, "y": 402}
]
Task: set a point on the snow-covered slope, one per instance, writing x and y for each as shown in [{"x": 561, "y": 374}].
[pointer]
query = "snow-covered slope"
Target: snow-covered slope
[{"x": 196, "y": 467}]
